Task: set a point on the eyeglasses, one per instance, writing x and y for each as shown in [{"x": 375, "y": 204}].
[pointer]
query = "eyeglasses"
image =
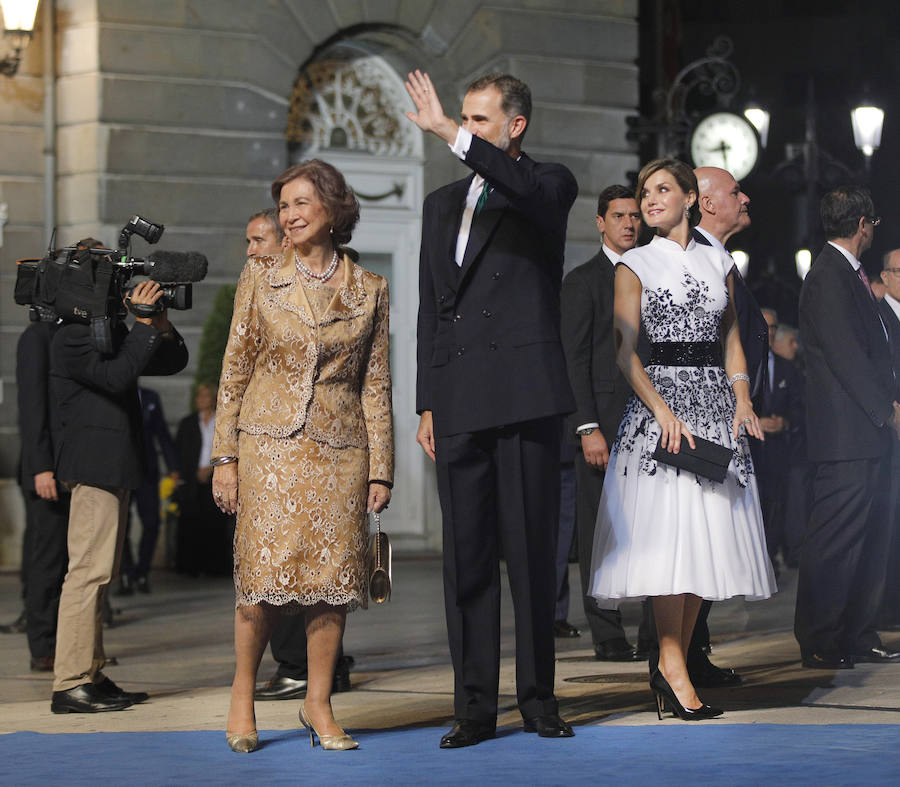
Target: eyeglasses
[
  {"x": 895, "y": 271},
  {"x": 873, "y": 220}
]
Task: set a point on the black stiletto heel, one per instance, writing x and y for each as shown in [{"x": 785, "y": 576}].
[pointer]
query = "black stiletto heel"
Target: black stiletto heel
[{"x": 663, "y": 693}]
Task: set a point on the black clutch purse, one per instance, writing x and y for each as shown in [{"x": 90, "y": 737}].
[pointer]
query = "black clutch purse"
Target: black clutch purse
[{"x": 708, "y": 459}]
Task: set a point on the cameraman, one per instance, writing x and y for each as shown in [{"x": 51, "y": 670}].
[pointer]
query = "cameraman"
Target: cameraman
[{"x": 101, "y": 459}]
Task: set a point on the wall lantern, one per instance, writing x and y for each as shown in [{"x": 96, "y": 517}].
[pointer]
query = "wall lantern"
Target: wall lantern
[{"x": 18, "y": 26}]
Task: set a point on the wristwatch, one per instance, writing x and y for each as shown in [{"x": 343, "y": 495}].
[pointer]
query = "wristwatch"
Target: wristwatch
[{"x": 585, "y": 430}]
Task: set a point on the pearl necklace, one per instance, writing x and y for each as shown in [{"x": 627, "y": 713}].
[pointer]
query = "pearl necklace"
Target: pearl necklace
[{"x": 310, "y": 274}]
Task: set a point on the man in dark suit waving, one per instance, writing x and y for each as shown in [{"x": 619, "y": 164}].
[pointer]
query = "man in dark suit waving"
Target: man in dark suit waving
[
  {"x": 491, "y": 387},
  {"x": 852, "y": 417},
  {"x": 601, "y": 393}
]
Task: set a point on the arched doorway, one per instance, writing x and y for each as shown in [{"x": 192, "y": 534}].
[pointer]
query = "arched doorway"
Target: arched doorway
[{"x": 347, "y": 108}]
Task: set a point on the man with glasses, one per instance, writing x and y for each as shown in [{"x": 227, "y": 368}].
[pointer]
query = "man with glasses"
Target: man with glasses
[
  {"x": 853, "y": 422},
  {"x": 889, "y": 617}
]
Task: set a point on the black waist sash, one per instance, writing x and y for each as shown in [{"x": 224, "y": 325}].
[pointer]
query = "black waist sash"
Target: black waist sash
[{"x": 686, "y": 354}]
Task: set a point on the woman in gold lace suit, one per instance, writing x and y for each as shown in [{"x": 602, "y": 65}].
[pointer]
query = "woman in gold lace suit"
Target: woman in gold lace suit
[{"x": 303, "y": 442}]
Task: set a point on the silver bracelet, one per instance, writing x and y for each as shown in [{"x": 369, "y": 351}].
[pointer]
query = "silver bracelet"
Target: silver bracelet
[
  {"x": 738, "y": 376},
  {"x": 222, "y": 460}
]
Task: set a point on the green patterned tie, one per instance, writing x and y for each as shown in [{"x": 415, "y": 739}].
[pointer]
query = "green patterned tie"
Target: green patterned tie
[{"x": 482, "y": 198}]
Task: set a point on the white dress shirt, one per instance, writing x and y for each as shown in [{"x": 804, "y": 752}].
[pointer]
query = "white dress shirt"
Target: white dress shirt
[{"x": 207, "y": 430}]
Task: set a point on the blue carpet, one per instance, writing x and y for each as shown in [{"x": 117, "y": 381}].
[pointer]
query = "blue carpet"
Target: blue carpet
[{"x": 671, "y": 754}]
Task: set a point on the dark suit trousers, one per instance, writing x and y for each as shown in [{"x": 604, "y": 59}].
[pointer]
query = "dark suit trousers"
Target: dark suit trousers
[
  {"x": 564, "y": 538},
  {"x": 605, "y": 624},
  {"x": 288, "y": 645},
  {"x": 890, "y": 604},
  {"x": 771, "y": 460},
  {"x": 500, "y": 485},
  {"x": 146, "y": 498},
  {"x": 844, "y": 557},
  {"x": 46, "y": 528}
]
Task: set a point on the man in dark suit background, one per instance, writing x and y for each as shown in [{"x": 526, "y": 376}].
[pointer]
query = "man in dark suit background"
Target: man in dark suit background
[
  {"x": 780, "y": 411},
  {"x": 889, "y": 306},
  {"x": 491, "y": 388},
  {"x": 157, "y": 440},
  {"x": 725, "y": 211},
  {"x": 100, "y": 458},
  {"x": 46, "y": 501},
  {"x": 853, "y": 417},
  {"x": 601, "y": 393},
  {"x": 799, "y": 484}
]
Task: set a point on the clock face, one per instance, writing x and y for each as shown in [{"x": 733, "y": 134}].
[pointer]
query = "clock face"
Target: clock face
[{"x": 725, "y": 140}]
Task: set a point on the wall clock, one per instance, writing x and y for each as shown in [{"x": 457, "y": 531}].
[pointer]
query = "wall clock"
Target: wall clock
[{"x": 725, "y": 140}]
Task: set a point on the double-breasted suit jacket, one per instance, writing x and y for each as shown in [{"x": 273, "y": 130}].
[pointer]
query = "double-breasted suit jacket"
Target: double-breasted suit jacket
[
  {"x": 305, "y": 404},
  {"x": 489, "y": 352}
]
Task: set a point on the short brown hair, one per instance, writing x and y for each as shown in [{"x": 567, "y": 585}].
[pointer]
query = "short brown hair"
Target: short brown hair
[
  {"x": 515, "y": 95},
  {"x": 270, "y": 215},
  {"x": 336, "y": 196},
  {"x": 684, "y": 177}
]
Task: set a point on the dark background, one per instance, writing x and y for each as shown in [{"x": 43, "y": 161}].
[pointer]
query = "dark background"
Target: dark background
[{"x": 848, "y": 51}]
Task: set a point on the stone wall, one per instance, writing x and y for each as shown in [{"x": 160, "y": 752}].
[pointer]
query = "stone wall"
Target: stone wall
[{"x": 176, "y": 109}]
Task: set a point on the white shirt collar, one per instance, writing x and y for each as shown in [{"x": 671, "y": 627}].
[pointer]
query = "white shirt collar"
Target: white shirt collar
[
  {"x": 854, "y": 263},
  {"x": 717, "y": 244},
  {"x": 611, "y": 255}
]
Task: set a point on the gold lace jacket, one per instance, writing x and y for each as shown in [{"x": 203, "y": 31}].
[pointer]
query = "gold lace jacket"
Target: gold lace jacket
[{"x": 284, "y": 371}]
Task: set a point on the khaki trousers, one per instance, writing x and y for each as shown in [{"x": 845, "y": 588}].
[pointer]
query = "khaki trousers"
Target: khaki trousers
[{"x": 97, "y": 519}]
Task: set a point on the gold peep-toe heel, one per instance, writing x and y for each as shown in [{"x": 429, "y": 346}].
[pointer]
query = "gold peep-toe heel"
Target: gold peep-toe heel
[
  {"x": 342, "y": 742},
  {"x": 242, "y": 743}
]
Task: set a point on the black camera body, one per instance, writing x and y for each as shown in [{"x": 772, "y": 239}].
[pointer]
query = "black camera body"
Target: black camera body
[{"x": 91, "y": 285}]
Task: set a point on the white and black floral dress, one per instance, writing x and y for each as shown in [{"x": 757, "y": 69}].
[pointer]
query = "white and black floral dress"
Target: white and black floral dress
[{"x": 661, "y": 531}]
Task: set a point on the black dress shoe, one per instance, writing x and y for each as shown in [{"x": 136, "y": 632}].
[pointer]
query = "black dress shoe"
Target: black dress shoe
[
  {"x": 341, "y": 681},
  {"x": 562, "y": 629},
  {"x": 827, "y": 661},
  {"x": 42, "y": 664},
  {"x": 281, "y": 687},
  {"x": 618, "y": 649},
  {"x": 877, "y": 655},
  {"x": 86, "y": 698},
  {"x": 18, "y": 626},
  {"x": 142, "y": 584},
  {"x": 126, "y": 586},
  {"x": 467, "y": 733},
  {"x": 109, "y": 689},
  {"x": 706, "y": 675},
  {"x": 548, "y": 726}
]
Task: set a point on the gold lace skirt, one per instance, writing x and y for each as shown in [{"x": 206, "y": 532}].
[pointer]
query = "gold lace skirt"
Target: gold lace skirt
[{"x": 302, "y": 533}]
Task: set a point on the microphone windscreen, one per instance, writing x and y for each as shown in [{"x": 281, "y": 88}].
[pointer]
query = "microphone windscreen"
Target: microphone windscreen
[{"x": 172, "y": 266}]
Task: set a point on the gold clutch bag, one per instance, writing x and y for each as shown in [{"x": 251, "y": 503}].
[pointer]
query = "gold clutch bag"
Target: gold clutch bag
[{"x": 379, "y": 564}]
